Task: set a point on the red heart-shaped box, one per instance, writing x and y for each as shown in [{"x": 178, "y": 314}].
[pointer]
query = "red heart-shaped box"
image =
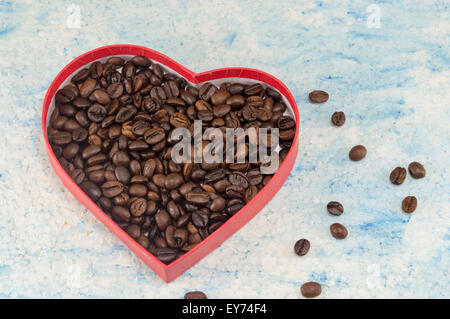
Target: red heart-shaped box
[{"x": 177, "y": 267}]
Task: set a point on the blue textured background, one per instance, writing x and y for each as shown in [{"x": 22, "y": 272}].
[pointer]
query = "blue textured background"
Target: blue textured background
[{"x": 392, "y": 82}]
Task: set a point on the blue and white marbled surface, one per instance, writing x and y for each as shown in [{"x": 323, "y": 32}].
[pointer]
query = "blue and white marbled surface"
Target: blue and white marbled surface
[{"x": 393, "y": 83}]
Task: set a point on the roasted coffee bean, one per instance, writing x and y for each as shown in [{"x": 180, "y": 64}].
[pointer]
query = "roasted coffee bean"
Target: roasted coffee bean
[
  {"x": 78, "y": 175},
  {"x": 141, "y": 61},
  {"x": 138, "y": 190},
  {"x": 66, "y": 94},
  {"x": 173, "y": 181},
  {"x": 212, "y": 228},
  {"x": 96, "y": 113},
  {"x": 234, "y": 191},
  {"x": 409, "y": 204},
  {"x": 171, "y": 89},
  {"x": 239, "y": 179},
  {"x": 311, "y": 289},
  {"x": 416, "y": 170},
  {"x": 181, "y": 237},
  {"x": 302, "y": 246},
  {"x": 162, "y": 219},
  {"x": 134, "y": 231},
  {"x": 254, "y": 89},
  {"x": 200, "y": 218},
  {"x": 81, "y": 75},
  {"x": 220, "y": 97},
  {"x": 207, "y": 90},
  {"x": 254, "y": 177},
  {"x": 70, "y": 150},
  {"x": 122, "y": 174},
  {"x": 154, "y": 135},
  {"x": 199, "y": 198},
  {"x": 166, "y": 255},
  {"x": 125, "y": 113},
  {"x": 112, "y": 188},
  {"x": 195, "y": 295},
  {"x": 87, "y": 87},
  {"x": 338, "y": 118},
  {"x": 90, "y": 150},
  {"x": 338, "y": 231},
  {"x": 250, "y": 193},
  {"x": 286, "y": 122},
  {"x": 115, "y": 90},
  {"x": 218, "y": 204},
  {"x": 179, "y": 120},
  {"x": 318, "y": 96},
  {"x": 357, "y": 153},
  {"x": 61, "y": 138},
  {"x": 398, "y": 175},
  {"x": 120, "y": 213},
  {"x": 235, "y": 101},
  {"x": 335, "y": 208},
  {"x": 215, "y": 175},
  {"x": 96, "y": 70},
  {"x": 234, "y": 205},
  {"x": 91, "y": 189}
]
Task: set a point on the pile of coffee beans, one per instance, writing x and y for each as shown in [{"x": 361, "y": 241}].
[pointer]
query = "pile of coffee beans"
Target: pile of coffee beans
[{"x": 111, "y": 131}]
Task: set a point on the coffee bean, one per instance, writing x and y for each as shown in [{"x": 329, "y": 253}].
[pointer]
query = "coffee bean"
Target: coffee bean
[
  {"x": 200, "y": 198},
  {"x": 338, "y": 118},
  {"x": 398, "y": 175},
  {"x": 409, "y": 204},
  {"x": 141, "y": 61},
  {"x": 96, "y": 113},
  {"x": 154, "y": 135},
  {"x": 91, "y": 190},
  {"x": 416, "y": 170},
  {"x": 138, "y": 207},
  {"x": 61, "y": 138},
  {"x": 335, "y": 208},
  {"x": 120, "y": 213},
  {"x": 286, "y": 122},
  {"x": 112, "y": 188},
  {"x": 87, "y": 87},
  {"x": 200, "y": 218},
  {"x": 302, "y": 246},
  {"x": 318, "y": 96},
  {"x": 195, "y": 295},
  {"x": 166, "y": 255},
  {"x": 357, "y": 153},
  {"x": 338, "y": 231},
  {"x": 311, "y": 289}
]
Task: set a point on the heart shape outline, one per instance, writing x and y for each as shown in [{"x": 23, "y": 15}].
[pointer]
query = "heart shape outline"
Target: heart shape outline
[{"x": 171, "y": 271}]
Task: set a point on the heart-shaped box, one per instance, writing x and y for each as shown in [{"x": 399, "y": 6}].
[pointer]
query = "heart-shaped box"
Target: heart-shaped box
[{"x": 244, "y": 75}]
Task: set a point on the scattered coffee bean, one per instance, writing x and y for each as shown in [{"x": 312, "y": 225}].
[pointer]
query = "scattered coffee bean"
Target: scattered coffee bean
[
  {"x": 302, "y": 246},
  {"x": 335, "y": 208},
  {"x": 357, "y": 153},
  {"x": 195, "y": 295},
  {"x": 416, "y": 170},
  {"x": 338, "y": 118},
  {"x": 409, "y": 204},
  {"x": 338, "y": 231},
  {"x": 398, "y": 175},
  {"x": 318, "y": 96},
  {"x": 111, "y": 130},
  {"x": 311, "y": 289}
]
